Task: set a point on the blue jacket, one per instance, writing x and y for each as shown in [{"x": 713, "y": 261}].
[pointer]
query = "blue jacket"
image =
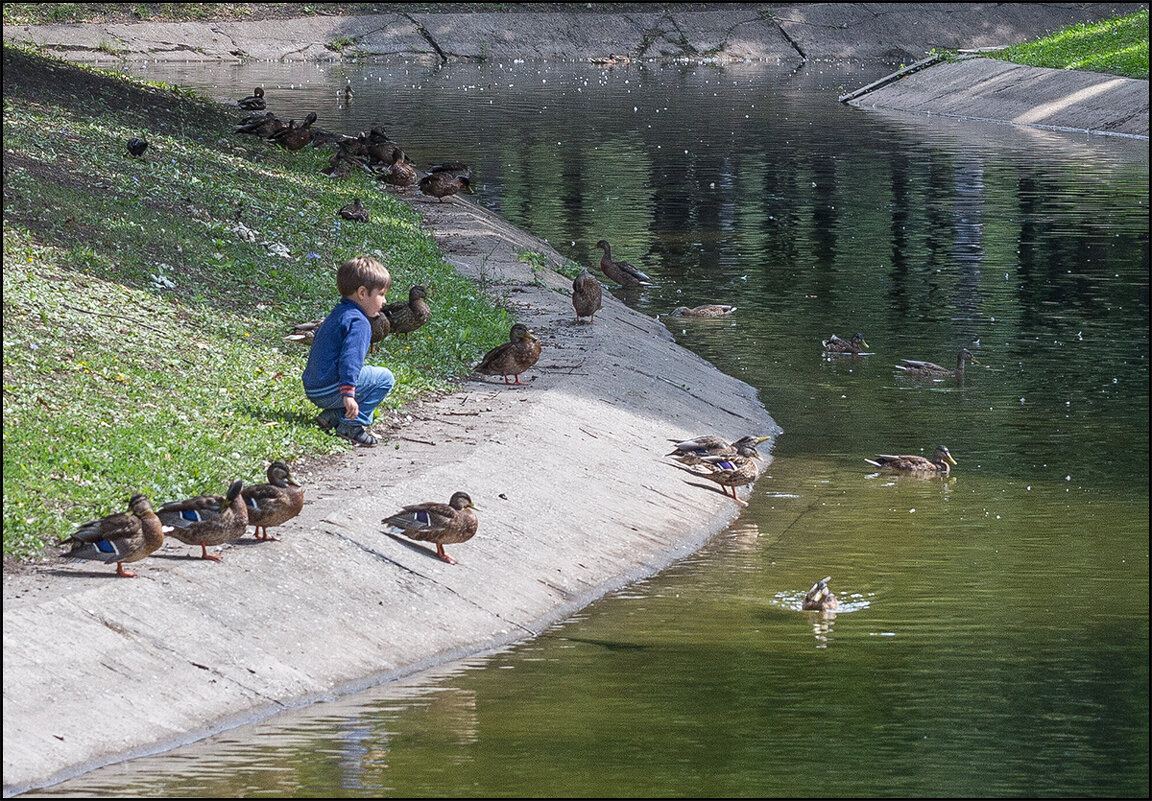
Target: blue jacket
[{"x": 338, "y": 351}]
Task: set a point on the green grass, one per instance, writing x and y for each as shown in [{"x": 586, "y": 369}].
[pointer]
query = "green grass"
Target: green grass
[
  {"x": 143, "y": 331},
  {"x": 1117, "y": 46}
]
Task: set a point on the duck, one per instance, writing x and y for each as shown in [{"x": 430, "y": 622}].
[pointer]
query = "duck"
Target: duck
[
  {"x": 587, "y": 295},
  {"x": 136, "y": 147},
  {"x": 355, "y": 211},
  {"x": 347, "y": 92},
  {"x": 400, "y": 173},
  {"x": 122, "y": 537},
  {"x": 730, "y": 472},
  {"x": 255, "y": 101},
  {"x": 820, "y": 598},
  {"x": 930, "y": 370},
  {"x": 208, "y": 519},
  {"x": 621, "y": 272},
  {"x": 274, "y": 503},
  {"x": 406, "y": 316},
  {"x": 263, "y": 125},
  {"x": 450, "y": 523},
  {"x": 305, "y": 333},
  {"x": 295, "y": 137},
  {"x": 853, "y": 346},
  {"x": 939, "y": 463},
  {"x": 707, "y": 310},
  {"x": 443, "y": 184},
  {"x": 693, "y": 451},
  {"x": 521, "y": 351}
]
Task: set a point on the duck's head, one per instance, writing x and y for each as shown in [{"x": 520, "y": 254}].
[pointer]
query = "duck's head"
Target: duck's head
[
  {"x": 941, "y": 454},
  {"x": 278, "y": 473},
  {"x": 460, "y": 500}
]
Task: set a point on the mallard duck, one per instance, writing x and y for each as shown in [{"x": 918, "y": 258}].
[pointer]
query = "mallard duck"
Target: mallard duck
[
  {"x": 121, "y": 537},
  {"x": 207, "y": 519},
  {"x": 930, "y": 370},
  {"x": 586, "y": 296},
  {"x": 295, "y": 137},
  {"x": 708, "y": 310},
  {"x": 355, "y": 211},
  {"x": 136, "y": 147},
  {"x": 820, "y": 598},
  {"x": 274, "y": 503},
  {"x": 621, "y": 272},
  {"x": 400, "y": 173},
  {"x": 305, "y": 333},
  {"x": 406, "y": 316},
  {"x": 440, "y": 523},
  {"x": 443, "y": 184},
  {"x": 939, "y": 463},
  {"x": 835, "y": 344},
  {"x": 730, "y": 472},
  {"x": 521, "y": 351},
  {"x": 255, "y": 101},
  {"x": 348, "y": 94},
  {"x": 693, "y": 451},
  {"x": 265, "y": 125}
]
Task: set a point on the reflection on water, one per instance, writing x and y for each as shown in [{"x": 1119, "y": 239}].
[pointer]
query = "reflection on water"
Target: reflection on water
[{"x": 993, "y": 638}]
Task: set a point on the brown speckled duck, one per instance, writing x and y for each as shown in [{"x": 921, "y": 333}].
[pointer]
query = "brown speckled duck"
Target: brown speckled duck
[
  {"x": 450, "y": 523},
  {"x": 521, "y": 351},
  {"x": 820, "y": 598},
  {"x": 254, "y": 101},
  {"x": 853, "y": 346},
  {"x": 621, "y": 272},
  {"x": 121, "y": 537},
  {"x": 730, "y": 472},
  {"x": 587, "y": 296},
  {"x": 406, "y": 316},
  {"x": 917, "y": 369},
  {"x": 693, "y": 451},
  {"x": 707, "y": 310},
  {"x": 938, "y": 464},
  {"x": 295, "y": 137},
  {"x": 207, "y": 519},
  {"x": 274, "y": 503},
  {"x": 443, "y": 184},
  {"x": 400, "y": 173},
  {"x": 263, "y": 125},
  {"x": 355, "y": 211}
]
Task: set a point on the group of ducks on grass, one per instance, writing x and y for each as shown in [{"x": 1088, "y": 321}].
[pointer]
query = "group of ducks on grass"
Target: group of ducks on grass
[{"x": 372, "y": 151}]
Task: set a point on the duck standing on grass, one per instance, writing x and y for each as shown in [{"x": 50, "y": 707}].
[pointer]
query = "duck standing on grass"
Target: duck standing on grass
[
  {"x": 295, "y": 137},
  {"x": 450, "y": 523},
  {"x": 208, "y": 519},
  {"x": 621, "y": 272},
  {"x": 406, "y": 316},
  {"x": 254, "y": 101},
  {"x": 521, "y": 351},
  {"x": 121, "y": 537},
  {"x": 355, "y": 211},
  {"x": 938, "y": 464},
  {"x": 136, "y": 147},
  {"x": 587, "y": 296},
  {"x": 274, "y": 503}
]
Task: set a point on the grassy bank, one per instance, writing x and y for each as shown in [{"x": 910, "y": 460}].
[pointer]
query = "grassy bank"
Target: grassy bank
[
  {"x": 146, "y": 301},
  {"x": 1117, "y": 46}
]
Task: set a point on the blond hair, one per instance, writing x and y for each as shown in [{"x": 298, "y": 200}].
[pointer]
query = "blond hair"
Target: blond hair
[{"x": 362, "y": 271}]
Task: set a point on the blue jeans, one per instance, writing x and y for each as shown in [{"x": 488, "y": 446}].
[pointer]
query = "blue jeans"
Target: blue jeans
[{"x": 372, "y": 387}]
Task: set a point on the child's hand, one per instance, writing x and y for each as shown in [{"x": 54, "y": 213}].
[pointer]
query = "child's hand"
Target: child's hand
[{"x": 351, "y": 408}]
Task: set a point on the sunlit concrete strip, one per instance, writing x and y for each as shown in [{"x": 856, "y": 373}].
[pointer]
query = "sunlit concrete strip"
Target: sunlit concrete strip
[{"x": 1053, "y": 109}]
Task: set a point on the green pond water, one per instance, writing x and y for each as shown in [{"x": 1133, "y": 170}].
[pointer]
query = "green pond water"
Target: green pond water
[{"x": 993, "y": 638}]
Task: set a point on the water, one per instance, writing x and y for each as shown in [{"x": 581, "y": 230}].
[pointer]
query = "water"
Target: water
[{"x": 994, "y": 637}]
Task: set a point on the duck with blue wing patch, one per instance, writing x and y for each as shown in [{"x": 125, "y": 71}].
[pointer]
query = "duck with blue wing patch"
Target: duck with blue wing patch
[
  {"x": 208, "y": 519},
  {"x": 122, "y": 537},
  {"x": 451, "y": 523},
  {"x": 730, "y": 472},
  {"x": 274, "y": 503}
]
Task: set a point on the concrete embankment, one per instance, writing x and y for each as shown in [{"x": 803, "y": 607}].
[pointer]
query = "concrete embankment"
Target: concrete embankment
[{"x": 575, "y": 497}]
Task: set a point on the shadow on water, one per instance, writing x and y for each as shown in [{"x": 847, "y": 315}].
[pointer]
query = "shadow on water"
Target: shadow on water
[{"x": 993, "y": 636}]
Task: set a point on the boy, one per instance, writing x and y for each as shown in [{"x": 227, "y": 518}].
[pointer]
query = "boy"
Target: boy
[{"x": 336, "y": 378}]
